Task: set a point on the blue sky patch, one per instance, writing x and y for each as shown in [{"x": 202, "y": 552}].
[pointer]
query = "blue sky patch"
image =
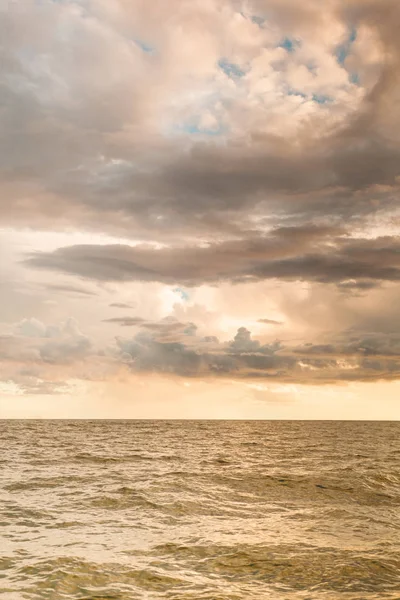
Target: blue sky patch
[
  {"x": 193, "y": 129},
  {"x": 321, "y": 98},
  {"x": 344, "y": 49},
  {"x": 144, "y": 46},
  {"x": 293, "y": 92},
  {"x": 258, "y": 20},
  {"x": 354, "y": 78},
  {"x": 184, "y": 295},
  {"x": 230, "y": 69},
  {"x": 289, "y": 44}
]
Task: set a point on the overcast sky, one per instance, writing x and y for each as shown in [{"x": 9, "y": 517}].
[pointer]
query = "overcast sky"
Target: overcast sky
[{"x": 199, "y": 209}]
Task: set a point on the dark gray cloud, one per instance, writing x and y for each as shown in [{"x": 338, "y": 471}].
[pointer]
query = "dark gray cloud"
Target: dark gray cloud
[
  {"x": 310, "y": 254},
  {"x": 352, "y": 285},
  {"x": 355, "y": 343},
  {"x": 168, "y": 329},
  {"x": 351, "y": 357},
  {"x": 77, "y": 151},
  {"x": 126, "y": 321},
  {"x": 202, "y": 357}
]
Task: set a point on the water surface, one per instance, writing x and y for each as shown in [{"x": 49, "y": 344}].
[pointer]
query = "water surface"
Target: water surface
[{"x": 199, "y": 510}]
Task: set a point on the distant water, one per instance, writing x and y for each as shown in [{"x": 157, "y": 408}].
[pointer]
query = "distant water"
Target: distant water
[{"x": 199, "y": 510}]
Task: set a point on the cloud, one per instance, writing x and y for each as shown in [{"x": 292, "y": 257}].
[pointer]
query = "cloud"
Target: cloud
[
  {"x": 126, "y": 321},
  {"x": 270, "y": 322},
  {"x": 70, "y": 289},
  {"x": 42, "y": 359},
  {"x": 93, "y": 147},
  {"x": 33, "y": 341},
  {"x": 203, "y": 357},
  {"x": 348, "y": 357},
  {"x": 47, "y": 359},
  {"x": 312, "y": 253},
  {"x": 236, "y": 143},
  {"x": 120, "y": 305}
]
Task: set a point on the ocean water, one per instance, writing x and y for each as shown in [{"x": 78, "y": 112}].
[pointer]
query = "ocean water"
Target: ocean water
[{"x": 198, "y": 510}]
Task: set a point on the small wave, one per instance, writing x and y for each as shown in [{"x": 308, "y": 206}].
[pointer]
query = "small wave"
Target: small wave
[
  {"x": 297, "y": 567},
  {"x": 136, "y": 456},
  {"x": 87, "y": 457},
  {"x": 124, "y": 499},
  {"x": 217, "y": 461},
  {"x": 69, "y": 577},
  {"x": 45, "y": 482}
]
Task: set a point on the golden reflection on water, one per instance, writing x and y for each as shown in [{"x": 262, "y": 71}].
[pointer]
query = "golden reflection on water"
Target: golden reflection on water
[{"x": 199, "y": 510}]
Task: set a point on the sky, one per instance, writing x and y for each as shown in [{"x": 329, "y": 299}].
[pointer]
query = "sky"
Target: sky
[{"x": 199, "y": 209}]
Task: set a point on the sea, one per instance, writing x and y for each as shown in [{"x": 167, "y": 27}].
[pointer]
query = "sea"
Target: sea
[{"x": 199, "y": 510}]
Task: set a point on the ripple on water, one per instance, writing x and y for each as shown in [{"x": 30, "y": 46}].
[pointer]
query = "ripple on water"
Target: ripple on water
[{"x": 199, "y": 511}]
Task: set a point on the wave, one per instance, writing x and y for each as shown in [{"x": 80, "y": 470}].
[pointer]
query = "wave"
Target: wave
[{"x": 103, "y": 459}]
